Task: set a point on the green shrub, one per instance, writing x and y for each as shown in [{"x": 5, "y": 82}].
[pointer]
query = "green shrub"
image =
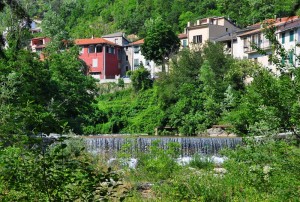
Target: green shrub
[
  {"x": 257, "y": 171},
  {"x": 201, "y": 162},
  {"x": 140, "y": 79},
  {"x": 158, "y": 164},
  {"x": 64, "y": 172}
]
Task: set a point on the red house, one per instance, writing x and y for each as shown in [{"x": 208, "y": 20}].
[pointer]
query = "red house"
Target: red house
[
  {"x": 101, "y": 56},
  {"x": 38, "y": 45}
]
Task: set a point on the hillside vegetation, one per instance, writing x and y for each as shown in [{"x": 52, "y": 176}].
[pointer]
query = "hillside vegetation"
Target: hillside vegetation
[
  {"x": 84, "y": 18},
  {"x": 203, "y": 88}
]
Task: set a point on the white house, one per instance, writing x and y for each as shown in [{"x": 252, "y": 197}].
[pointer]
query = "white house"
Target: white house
[
  {"x": 135, "y": 58},
  {"x": 206, "y": 29},
  {"x": 253, "y": 37}
]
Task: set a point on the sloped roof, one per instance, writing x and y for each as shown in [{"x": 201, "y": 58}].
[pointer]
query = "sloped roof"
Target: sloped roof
[
  {"x": 93, "y": 41},
  {"x": 40, "y": 38},
  {"x": 117, "y": 34},
  {"x": 278, "y": 22},
  {"x": 251, "y": 32},
  {"x": 182, "y": 36},
  {"x": 138, "y": 42},
  {"x": 289, "y": 25},
  {"x": 226, "y": 37}
]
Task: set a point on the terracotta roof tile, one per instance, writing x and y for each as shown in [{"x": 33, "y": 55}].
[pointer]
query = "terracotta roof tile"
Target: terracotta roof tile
[
  {"x": 93, "y": 41},
  {"x": 182, "y": 36},
  {"x": 139, "y": 42},
  {"x": 278, "y": 22}
]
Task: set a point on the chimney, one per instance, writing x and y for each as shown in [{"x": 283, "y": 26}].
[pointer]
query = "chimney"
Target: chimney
[{"x": 93, "y": 36}]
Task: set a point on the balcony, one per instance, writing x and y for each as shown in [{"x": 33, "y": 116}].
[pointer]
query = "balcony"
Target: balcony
[{"x": 253, "y": 48}]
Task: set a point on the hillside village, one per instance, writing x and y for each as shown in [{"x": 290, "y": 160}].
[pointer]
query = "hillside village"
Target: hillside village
[
  {"x": 198, "y": 131},
  {"x": 112, "y": 55}
]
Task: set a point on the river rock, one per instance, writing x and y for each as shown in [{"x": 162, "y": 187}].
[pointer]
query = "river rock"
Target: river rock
[
  {"x": 216, "y": 132},
  {"x": 232, "y": 135}
]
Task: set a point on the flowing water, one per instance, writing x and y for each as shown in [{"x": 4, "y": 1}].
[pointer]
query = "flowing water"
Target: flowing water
[{"x": 189, "y": 146}]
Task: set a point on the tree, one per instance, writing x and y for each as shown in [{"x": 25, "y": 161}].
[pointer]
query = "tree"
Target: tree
[
  {"x": 140, "y": 79},
  {"x": 72, "y": 91},
  {"x": 17, "y": 14},
  {"x": 160, "y": 42}
]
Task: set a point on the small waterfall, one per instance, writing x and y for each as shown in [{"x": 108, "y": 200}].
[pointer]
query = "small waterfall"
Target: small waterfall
[{"x": 109, "y": 145}]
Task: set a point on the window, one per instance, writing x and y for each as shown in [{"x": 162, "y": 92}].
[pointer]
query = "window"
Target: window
[
  {"x": 110, "y": 50},
  {"x": 184, "y": 43},
  {"x": 291, "y": 57},
  {"x": 81, "y": 50},
  {"x": 95, "y": 62},
  {"x": 98, "y": 49},
  {"x": 136, "y": 49},
  {"x": 95, "y": 73},
  {"x": 283, "y": 38},
  {"x": 226, "y": 29},
  {"x": 228, "y": 44},
  {"x": 246, "y": 43},
  {"x": 256, "y": 40},
  {"x": 197, "y": 39},
  {"x": 91, "y": 49},
  {"x": 126, "y": 57},
  {"x": 127, "y": 68},
  {"x": 126, "y": 48},
  {"x": 136, "y": 63},
  {"x": 292, "y": 35}
]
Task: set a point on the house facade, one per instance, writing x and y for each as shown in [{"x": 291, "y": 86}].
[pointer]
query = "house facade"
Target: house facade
[
  {"x": 287, "y": 33},
  {"x": 289, "y": 36},
  {"x": 119, "y": 39},
  {"x": 111, "y": 56},
  {"x": 102, "y": 57},
  {"x": 183, "y": 41},
  {"x": 35, "y": 26},
  {"x": 206, "y": 29},
  {"x": 135, "y": 58},
  {"x": 38, "y": 44}
]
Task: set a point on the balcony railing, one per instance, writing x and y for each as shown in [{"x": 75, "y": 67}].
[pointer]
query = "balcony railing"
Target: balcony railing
[{"x": 254, "y": 48}]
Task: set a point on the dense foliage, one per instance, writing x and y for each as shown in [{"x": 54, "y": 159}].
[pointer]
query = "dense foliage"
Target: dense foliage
[
  {"x": 61, "y": 172},
  {"x": 160, "y": 42},
  {"x": 43, "y": 97},
  {"x": 201, "y": 89},
  {"x": 126, "y": 112},
  {"x": 265, "y": 171},
  {"x": 206, "y": 87},
  {"x": 84, "y": 18}
]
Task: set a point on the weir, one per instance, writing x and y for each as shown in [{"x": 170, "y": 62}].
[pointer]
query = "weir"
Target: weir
[{"x": 189, "y": 146}]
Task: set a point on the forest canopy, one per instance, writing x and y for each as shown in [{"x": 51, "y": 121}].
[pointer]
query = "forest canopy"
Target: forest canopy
[{"x": 83, "y": 18}]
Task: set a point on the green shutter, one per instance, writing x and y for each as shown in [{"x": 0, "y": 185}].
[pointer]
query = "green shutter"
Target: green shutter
[
  {"x": 292, "y": 35},
  {"x": 291, "y": 57},
  {"x": 184, "y": 43},
  {"x": 283, "y": 38}
]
